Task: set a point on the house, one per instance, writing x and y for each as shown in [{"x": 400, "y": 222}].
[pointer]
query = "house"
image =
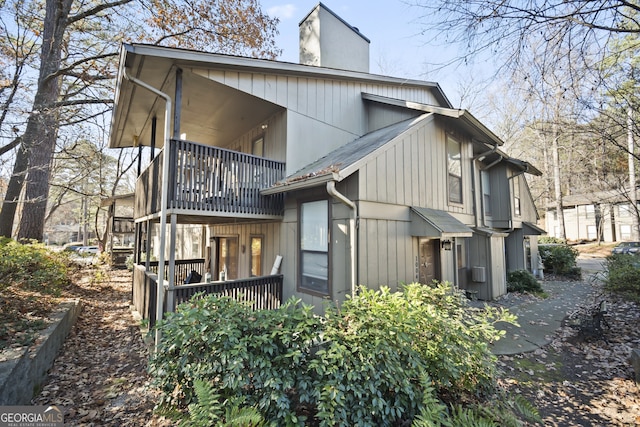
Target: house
[
  {"x": 120, "y": 229},
  {"x": 309, "y": 179},
  {"x": 604, "y": 216}
]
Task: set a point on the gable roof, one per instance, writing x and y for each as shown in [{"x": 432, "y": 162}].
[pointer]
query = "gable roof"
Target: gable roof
[
  {"x": 154, "y": 65},
  {"x": 345, "y": 160}
]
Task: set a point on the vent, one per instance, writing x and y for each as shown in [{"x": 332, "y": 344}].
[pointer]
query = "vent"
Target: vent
[{"x": 479, "y": 274}]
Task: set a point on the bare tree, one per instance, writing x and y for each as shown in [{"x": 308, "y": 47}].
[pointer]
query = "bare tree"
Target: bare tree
[{"x": 78, "y": 45}]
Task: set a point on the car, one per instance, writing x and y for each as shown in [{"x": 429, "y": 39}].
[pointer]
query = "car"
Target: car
[
  {"x": 88, "y": 250},
  {"x": 626, "y": 248},
  {"x": 72, "y": 247}
]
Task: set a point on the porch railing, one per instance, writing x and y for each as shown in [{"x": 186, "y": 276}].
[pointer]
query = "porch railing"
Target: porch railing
[
  {"x": 211, "y": 179},
  {"x": 265, "y": 292},
  {"x": 182, "y": 269}
]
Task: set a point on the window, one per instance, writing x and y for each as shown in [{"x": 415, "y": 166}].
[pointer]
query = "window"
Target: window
[
  {"x": 590, "y": 211},
  {"x": 516, "y": 196},
  {"x": 314, "y": 247},
  {"x": 624, "y": 211},
  {"x": 256, "y": 256},
  {"x": 460, "y": 255},
  {"x": 257, "y": 146},
  {"x": 625, "y": 232},
  {"x": 454, "y": 167},
  {"x": 486, "y": 192}
]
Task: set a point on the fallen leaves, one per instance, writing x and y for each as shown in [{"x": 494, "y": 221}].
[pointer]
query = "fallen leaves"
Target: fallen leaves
[
  {"x": 576, "y": 382},
  {"x": 99, "y": 377}
]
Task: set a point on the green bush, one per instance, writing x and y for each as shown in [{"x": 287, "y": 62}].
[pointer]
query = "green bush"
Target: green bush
[
  {"x": 523, "y": 281},
  {"x": 545, "y": 240},
  {"x": 258, "y": 356},
  {"x": 560, "y": 260},
  {"x": 32, "y": 266},
  {"x": 623, "y": 275},
  {"x": 373, "y": 361}
]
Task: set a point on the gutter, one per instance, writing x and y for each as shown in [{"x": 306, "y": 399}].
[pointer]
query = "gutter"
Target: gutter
[
  {"x": 164, "y": 199},
  {"x": 331, "y": 189}
]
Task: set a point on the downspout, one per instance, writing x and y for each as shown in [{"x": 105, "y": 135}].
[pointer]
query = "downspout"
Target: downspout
[
  {"x": 164, "y": 197},
  {"x": 331, "y": 189}
]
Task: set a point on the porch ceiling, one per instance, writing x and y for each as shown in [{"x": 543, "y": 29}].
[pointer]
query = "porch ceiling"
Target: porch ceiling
[{"x": 211, "y": 113}]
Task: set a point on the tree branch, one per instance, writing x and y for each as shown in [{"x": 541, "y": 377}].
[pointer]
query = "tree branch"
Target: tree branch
[{"x": 95, "y": 10}]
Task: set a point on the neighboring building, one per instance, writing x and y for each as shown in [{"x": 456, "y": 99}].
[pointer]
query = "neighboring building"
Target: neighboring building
[
  {"x": 120, "y": 231},
  {"x": 333, "y": 176},
  {"x": 605, "y": 216}
]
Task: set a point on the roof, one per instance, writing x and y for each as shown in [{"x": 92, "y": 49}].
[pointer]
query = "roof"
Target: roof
[
  {"x": 155, "y": 64},
  {"x": 345, "y": 160},
  {"x": 597, "y": 197},
  {"x": 434, "y": 223},
  {"x": 530, "y": 229},
  {"x": 467, "y": 121}
]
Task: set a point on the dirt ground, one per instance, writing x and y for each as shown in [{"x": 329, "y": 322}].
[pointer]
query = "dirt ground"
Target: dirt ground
[{"x": 100, "y": 379}]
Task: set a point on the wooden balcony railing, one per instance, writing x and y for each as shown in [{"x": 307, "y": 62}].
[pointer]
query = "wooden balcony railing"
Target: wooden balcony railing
[
  {"x": 211, "y": 179},
  {"x": 265, "y": 292}
]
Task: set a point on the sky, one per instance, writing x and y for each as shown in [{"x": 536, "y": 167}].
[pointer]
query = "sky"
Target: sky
[{"x": 397, "y": 46}]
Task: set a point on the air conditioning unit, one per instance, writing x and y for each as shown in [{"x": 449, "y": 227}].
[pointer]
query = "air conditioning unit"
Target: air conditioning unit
[{"x": 479, "y": 274}]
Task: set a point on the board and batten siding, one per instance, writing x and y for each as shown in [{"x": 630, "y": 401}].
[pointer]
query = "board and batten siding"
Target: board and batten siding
[
  {"x": 387, "y": 251},
  {"x": 412, "y": 171},
  {"x": 325, "y": 113},
  {"x": 274, "y": 138}
]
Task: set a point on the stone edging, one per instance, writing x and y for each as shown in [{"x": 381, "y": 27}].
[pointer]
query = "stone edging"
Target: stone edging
[{"x": 25, "y": 371}]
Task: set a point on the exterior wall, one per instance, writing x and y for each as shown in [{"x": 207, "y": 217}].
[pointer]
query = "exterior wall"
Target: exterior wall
[
  {"x": 413, "y": 172},
  {"x": 387, "y": 253},
  {"x": 318, "y": 108},
  {"x": 488, "y": 251},
  {"x": 379, "y": 116},
  {"x": 580, "y": 222},
  {"x": 274, "y": 138}
]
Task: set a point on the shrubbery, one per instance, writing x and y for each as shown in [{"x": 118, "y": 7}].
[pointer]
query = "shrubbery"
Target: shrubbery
[
  {"x": 623, "y": 275},
  {"x": 32, "y": 267},
  {"x": 560, "y": 260},
  {"x": 523, "y": 281},
  {"x": 380, "y": 359}
]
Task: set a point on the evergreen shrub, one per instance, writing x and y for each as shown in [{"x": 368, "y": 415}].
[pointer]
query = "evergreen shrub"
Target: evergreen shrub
[
  {"x": 561, "y": 260},
  {"x": 523, "y": 281},
  {"x": 622, "y": 272},
  {"x": 381, "y": 358}
]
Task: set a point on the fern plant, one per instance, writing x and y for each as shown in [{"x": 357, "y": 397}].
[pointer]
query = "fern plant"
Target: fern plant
[{"x": 209, "y": 411}]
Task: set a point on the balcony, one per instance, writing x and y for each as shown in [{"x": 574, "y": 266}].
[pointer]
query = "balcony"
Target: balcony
[{"x": 210, "y": 181}]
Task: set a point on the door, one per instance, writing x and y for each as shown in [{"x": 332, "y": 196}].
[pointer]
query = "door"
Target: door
[{"x": 429, "y": 269}]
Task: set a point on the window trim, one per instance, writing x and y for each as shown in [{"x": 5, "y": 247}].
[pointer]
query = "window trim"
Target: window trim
[{"x": 299, "y": 287}]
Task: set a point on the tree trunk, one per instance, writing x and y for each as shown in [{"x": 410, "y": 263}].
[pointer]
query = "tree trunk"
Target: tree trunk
[
  {"x": 633, "y": 197},
  {"x": 556, "y": 181},
  {"x": 42, "y": 127},
  {"x": 11, "y": 200}
]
